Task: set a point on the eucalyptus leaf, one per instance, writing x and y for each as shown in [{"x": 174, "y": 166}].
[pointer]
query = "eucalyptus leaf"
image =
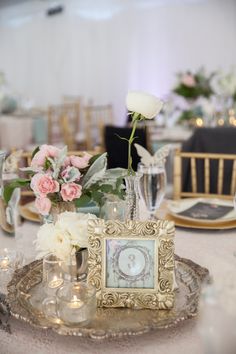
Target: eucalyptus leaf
[
  {"x": 95, "y": 172},
  {"x": 73, "y": 174},
  {"x": 94, "y": 158},
  {"x": 58, "y": 162},
  {"x": 115, "y": 172}
]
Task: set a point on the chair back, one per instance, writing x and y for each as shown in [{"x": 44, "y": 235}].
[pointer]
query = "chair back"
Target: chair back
[
  {"x": 96, "y": 117},
  {"x": 204, "y": 175},
  {"x": 117, "y": 149},
  {"x": 63, "y": 124}
]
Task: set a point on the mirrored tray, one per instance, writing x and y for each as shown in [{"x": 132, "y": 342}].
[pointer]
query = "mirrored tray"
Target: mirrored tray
[{"x": 25, "y": 297}]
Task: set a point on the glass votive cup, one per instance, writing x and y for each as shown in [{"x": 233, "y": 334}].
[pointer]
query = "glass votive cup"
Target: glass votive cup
[
  {"x": 74, "y": 304},
  {"x": 54, "y": 273},
  {"x": 5, "y": 277},
  {"x": 10, "y": 259},
  {"x": 114, "y": 210}
]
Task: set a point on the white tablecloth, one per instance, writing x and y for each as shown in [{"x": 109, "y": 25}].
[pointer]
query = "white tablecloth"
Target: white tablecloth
[{"x": 213, "y": 250}]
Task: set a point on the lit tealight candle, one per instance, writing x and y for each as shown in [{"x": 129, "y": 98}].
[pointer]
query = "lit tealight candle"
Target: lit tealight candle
[
  {"x": 75, "y": 303},
  {"x": 4, "y": 263},
  {"x": 55, "y": 282}
]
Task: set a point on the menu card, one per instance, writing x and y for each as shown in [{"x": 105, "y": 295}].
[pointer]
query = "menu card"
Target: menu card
[{"x": 206, "y": 211}]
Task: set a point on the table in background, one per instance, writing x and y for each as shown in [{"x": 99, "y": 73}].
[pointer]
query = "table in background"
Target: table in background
[
  {"x": 213, "y": 250},
  {"x": 22, "y": 131}
]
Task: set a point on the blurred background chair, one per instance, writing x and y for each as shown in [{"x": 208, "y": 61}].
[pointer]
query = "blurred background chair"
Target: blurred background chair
[
  {"x": 204, "y": 175},
  {"x": 96, "y": 117},
  {"x": 117, "y": 148},
  {"x": 63, "y": 124}
]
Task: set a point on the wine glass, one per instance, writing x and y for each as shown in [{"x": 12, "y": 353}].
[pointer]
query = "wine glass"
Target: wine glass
[{"x": 152, "y": 186}]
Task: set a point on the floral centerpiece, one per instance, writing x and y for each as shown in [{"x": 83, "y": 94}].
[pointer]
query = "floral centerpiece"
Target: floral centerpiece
[
  {"x": 224, "y": 86},
  {"x": 205, "y": 96},
  {"x": 56, "y": 178},
  {"x": 193, "y": 85},
  {"x": 191, "y": 97}
]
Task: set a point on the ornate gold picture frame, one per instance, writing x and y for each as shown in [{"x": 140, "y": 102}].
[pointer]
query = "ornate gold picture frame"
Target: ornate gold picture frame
[{"x": 131, "y": 263}]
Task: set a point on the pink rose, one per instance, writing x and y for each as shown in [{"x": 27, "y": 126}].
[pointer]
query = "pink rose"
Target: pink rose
[
  {"x": 188, "y": 80},
  {"x": 38, "y": 159},
  {"x": 43, "y": 184},
  {"x": 43, "y": 205},
  {"x": 79, "y": 162},
  {"x": 70, "y": 191},
  {"x": 87, "y": 156},
  {"x": 66, "y": 161},
  {"x": 44, "y": 152},
  {"x": 50, "y": 150}
]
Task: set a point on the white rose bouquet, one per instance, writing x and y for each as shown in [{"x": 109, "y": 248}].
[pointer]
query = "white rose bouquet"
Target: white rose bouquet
[
  {"x": 141, "y": 106},
  {"x": 65, "y": 237}
]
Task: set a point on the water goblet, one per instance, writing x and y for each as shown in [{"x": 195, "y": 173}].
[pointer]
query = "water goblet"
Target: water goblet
[{"x": 152, "y": 186}]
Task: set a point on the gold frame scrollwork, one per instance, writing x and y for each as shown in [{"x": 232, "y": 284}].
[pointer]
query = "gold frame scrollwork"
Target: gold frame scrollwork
[{"x": 162, "y": 232}]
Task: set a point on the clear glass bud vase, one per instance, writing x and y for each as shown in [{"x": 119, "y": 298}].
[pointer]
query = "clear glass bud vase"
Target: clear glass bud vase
[{"x": 132, "y": 196}]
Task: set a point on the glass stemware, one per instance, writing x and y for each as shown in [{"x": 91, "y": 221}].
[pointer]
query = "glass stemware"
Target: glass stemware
[{"x": 152, "y": 186}]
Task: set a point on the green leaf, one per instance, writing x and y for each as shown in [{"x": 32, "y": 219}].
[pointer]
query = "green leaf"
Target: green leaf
[
  {"x": 47, "y": 164},
  {"x": 122, "y": 138},
  {"x": 94, "y": 158},
  {"x": 106, "y": 188},
  {"x": 82, "y": 201},
  {"x": 9, "y": 188},
  {"x": 97, "y": 197},
  {"x": 35, "y": 151}
]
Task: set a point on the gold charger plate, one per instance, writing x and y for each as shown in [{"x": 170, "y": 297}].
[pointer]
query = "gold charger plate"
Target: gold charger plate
[
  {"x": 176, "y": 206},
  {"x": 27, "y": 213},
  {"x": 25, "y": 295},
  {"x": 217, "y": 225}
]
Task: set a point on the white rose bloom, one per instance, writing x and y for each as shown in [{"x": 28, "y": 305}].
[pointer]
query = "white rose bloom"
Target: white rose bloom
[
  {"x": 51, "y": 238},
  {"x": 76, "y": 225},
  {"x": 143, "y": 103}
]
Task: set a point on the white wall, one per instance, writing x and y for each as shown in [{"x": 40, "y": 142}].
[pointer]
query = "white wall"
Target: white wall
[{"x": 139, "y": 47}]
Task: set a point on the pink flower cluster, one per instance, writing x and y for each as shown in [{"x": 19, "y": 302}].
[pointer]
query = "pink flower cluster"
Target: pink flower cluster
[
  {"x": 188, "y": 80},
  {"x": 44, "y": 184}
]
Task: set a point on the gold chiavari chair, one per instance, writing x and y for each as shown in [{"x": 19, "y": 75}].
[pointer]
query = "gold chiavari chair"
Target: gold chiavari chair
[
  {"x": 207, "y": 159},
  {"x": 96, "y": 117},
  {"x": 64, "y": 123}
]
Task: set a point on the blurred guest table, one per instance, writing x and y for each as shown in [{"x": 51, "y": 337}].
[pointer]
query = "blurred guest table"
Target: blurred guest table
[
  {"x": 20, "y": 131},
  {"x": 213, "y": 250},
  {"x": 174, "y": 134},
  {"x": 213, "y": 140},
  {"x": 15, "y": 132}
]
